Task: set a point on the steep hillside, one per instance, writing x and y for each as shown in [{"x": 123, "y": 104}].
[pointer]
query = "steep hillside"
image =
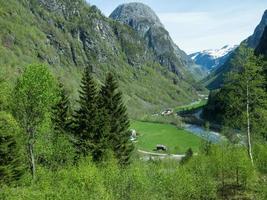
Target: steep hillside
[
  {"x": 253, "y": 40},
  {"x": 262, "y": 46},
  {"x": 68, "y": 35},
  {"x": 216, "y": 78},
  {"x": 213, "y": 58},
  {"x": 146, "y": 23}
]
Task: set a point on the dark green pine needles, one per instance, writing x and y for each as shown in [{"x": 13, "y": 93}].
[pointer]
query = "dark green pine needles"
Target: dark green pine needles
[
  {"x": 101, "y": 123},
  {"x": 119, "y": 134},
  {"x": 89, "y": 129},
  {"x": 60, "y": 112},
  {"x": 10, "y": 157},
  {"x": 61, "y": 137}
]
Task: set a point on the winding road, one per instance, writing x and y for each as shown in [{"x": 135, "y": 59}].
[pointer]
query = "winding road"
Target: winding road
[{"x": 159, "y": 156}]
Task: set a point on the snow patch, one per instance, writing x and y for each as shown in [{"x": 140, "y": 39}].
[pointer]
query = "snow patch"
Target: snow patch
[{"x": 218, "y": 53}]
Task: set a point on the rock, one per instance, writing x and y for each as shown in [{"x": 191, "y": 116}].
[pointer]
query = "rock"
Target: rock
[{"x": 147, "y": 24}]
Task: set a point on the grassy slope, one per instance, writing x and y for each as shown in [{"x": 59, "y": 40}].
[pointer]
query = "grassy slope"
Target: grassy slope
[
  {"x": 194, "y": 105},
  {"x": 177, "y": 140},
  {"x": 31, "y": 34}
]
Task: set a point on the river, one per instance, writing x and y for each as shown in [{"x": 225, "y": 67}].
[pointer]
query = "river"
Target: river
[
  {"x": 210, "y": 135},
  {"x": 214, "y": 137}
]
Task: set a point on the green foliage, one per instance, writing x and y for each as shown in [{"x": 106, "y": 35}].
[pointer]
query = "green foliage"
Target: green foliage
[
  {"x": 11, "y": 159},
  {"x": 214, "y": 110},
  {"x": 188, "y": 155},
  {"x": 246, "y": 73},
  {"x": 61, "y": 112},
  {"x": 5, "y": 91},
  {"x": 193, "y": 106},
  {"x": 119, "y": 136},
  {"x": 229, "y": 105},
  {"x": 260, "y": 151},
  {"x": 224, "y": 174},
  {"x": 230, "y": 166},
  {"x": 157, "y": 118},
  {"x": 33, "y": 97},
  {"x": 62, "y": 150},
  {"x": 90, "y": 136}
]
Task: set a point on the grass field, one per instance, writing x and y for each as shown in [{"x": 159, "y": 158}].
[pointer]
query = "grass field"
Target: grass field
[
  {"x": 191, "y": 106},
  {"x": 177, "y": 140}
]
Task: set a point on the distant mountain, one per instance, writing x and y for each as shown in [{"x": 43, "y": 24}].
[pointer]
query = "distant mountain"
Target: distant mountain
[
  {"x": 212, "y": 59},
  {"x": 147, "y": 24},
  {"x": 215, "y": 79}
]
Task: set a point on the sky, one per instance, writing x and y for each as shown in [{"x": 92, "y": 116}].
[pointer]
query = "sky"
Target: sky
[{"x": 196, "y": 25}]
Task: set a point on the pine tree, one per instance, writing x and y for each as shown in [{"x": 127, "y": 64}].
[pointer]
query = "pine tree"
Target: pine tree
[
  {"x": 62, "y": 149},
  {"x": 119, "y": 136},
  {"x": 60, "y": 112},
  {"x": 90, "y": 135},
  {"x": 10, "y": 157}
]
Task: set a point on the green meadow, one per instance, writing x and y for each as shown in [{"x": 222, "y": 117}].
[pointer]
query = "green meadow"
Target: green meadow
[{"x": 176, "y": 139}]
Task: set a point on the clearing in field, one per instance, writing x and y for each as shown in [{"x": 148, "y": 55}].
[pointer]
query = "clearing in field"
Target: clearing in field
[{"x": 177, "y": 140}]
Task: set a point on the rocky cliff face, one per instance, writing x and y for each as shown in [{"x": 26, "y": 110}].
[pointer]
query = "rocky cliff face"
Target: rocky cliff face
[
  {"x": 253, "y": 41},
  {"x": 146, "y": 23},
  {"x": 139, "y": 16},
  {"x": 262, "y": 46}
]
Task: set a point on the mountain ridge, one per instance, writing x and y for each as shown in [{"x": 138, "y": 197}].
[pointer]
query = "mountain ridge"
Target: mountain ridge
[
  {"x": 212, "y": 58},
  {"x": 68, "y": 36},
  {"x": 147, "y": 24}
]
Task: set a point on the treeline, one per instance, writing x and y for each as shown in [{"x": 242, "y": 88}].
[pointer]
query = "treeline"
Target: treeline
[
  {"x": 241, "y": 104},
  {"x": 39, "y": 127}
]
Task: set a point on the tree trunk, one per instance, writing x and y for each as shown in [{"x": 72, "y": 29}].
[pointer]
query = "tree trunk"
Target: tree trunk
[
  {"x": 31, "y": 152},
  {"x": 248, "y": 127}
]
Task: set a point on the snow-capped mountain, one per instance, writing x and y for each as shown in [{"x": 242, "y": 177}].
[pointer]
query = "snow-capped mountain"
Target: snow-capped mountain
[{"x": 212, "y": 58}]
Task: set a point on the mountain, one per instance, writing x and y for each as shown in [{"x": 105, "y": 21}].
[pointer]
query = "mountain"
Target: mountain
[
  {"x": 216, "y": 78},
  {"x": 213, "y": 58},
  {"x": 253, "y": 40},
  {"x": 146, "y": 23},
  {"x": 262, "y": 46},
  {"x": 70, "y": 35}
]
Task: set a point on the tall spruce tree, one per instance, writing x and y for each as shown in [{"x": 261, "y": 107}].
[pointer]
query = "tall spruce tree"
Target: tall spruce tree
[
  {"x": 60, "y": 112},
  {"x": 88, "y": 129},
  {"x": 10, "y": 156},
  {"x": 62, "y": 150},
  {"x": 119, "y": 136}
]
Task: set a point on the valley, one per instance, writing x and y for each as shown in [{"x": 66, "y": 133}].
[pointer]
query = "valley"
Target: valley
[{"x": 105, "y": 102}]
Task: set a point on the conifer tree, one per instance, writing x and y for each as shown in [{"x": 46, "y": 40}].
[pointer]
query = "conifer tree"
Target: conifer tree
[
  {"x": 90, "y": 135},
  {"x": 60, "y": 112},
  {"x": 10, "y": 157},
  {"x": 62, "y": 149},
  {"x": 119, "y": 136}
]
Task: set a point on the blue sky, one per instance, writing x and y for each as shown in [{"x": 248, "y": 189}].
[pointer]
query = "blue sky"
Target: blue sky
[{"x": 201, "y": 24}]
